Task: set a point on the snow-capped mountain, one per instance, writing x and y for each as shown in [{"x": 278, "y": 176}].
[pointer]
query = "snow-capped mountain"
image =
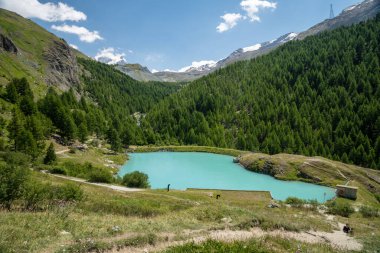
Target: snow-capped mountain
[
  {"x": 250, "y": 52},
  {"x": 199, "y": 66},
  {"x": 351, "y": 15}
]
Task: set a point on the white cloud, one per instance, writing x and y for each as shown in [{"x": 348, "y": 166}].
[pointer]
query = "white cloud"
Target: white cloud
[
  {"x": 84, "y": 34},
  {"x": 49, "y": 11},
  {"x": 109, "y": 56},
  {"x": 253, "y": 7},
  {"x": 155, "y": 71},
  {"x": 199, "y": 65},
  {"x": 229, "y": 21},
  {"x": 74, "y": 46}
]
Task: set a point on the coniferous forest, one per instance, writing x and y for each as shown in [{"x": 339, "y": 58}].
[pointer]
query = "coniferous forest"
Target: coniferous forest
[
  {"x": 319, "y": 96},
  {"x": 110, "y": 117}
]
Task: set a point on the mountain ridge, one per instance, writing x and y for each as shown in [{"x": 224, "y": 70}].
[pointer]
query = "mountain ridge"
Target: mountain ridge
[{"x": 350, "y": 15}]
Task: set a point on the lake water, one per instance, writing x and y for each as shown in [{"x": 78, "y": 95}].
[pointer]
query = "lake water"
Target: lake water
[{"x": 204, "y": 170}]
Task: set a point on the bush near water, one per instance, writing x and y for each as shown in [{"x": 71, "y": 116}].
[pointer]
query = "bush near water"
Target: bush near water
[{"x": 136, "y": 179}]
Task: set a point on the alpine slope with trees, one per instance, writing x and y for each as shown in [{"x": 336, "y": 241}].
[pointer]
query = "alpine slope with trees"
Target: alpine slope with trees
[
  {"x": 33, "y": 121},
  {"x": 319, "y": 96}
]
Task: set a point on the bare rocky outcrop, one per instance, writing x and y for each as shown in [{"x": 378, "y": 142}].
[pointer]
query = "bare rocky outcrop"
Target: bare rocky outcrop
[
  {"x": 7, "y": 44},
  {"x": 62, "y": 69}
]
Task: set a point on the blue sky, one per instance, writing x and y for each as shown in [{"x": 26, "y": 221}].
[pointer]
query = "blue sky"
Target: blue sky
[{"x": 171, "y": 34}]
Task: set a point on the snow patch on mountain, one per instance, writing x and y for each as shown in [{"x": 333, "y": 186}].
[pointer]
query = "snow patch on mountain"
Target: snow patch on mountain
[
  {"x": 291, "y": 36},
  {"x": 198, "y": 66},
  {"x": 350, "y": 8},
  {"x": 251, "y": 48}
]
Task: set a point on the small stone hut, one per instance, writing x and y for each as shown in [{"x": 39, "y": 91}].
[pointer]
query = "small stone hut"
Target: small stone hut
[{"x": 345, "y": 191}]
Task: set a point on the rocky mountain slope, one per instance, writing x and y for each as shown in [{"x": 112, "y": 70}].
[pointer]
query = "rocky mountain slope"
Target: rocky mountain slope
[
  {"x": 192, "y": 73},
  {"x": 351, "y": 15},
  {"x": 251, "y": 52},
  {"x": 26, "y": 49},
  {"x": 137, "y": 72}
]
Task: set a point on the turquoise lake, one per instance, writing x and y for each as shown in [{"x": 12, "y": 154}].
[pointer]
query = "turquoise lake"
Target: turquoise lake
[{"x": 211, "y": 171}]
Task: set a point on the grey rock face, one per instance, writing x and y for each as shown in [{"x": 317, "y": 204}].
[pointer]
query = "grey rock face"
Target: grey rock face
[
  {"x": 137, "y": 72},
  {"x": 62, "y": 69},
  {"x": 7, "y": 44}
]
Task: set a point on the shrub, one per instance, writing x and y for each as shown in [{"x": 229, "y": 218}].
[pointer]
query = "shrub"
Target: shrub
[
  {"x": 136, "y": 179},
  {"x": 70, "y": 192},
  {"x": 16, "y": 158},
  {"x": 39, "y": 195},
  {"x": 368, "y": 211},
  {"x": 35, "y": 194},
  {"x": 57, "y": 170},
  {"x": 12, "y": 183},
  {"x": 100, "y": 176},
  {"x": 88, "y": 171},
  {"x": 340, "y": 208}
]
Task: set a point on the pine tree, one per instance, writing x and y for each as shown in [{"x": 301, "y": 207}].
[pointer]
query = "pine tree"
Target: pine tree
[
  {"x": 50, "y": 157},
  {"x": 27, "y": 106},
  {"x": 114, "y": 139},
  {"x": 82, "y": 132},
  {"x": 25, "y": 142},
  {"x": 11, "y": 93}
]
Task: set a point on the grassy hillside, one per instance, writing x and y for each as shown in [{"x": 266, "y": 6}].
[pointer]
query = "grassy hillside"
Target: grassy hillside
[
  {"x": 31, "y": 40},
  {"x": 31, "y": 61},
  {"x": 111, "y": 105},
  {"x": 317, "y": 170}
]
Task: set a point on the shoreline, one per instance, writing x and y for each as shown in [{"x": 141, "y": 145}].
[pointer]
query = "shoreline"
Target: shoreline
[
  {"x": 235, "y": 154},
  {"x": 171, "y": 148}
]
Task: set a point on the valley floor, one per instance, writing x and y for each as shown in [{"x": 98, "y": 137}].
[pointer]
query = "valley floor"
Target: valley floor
[
  {"x": 117, "y": 219},
  {"x": 156, "y": 220}
]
